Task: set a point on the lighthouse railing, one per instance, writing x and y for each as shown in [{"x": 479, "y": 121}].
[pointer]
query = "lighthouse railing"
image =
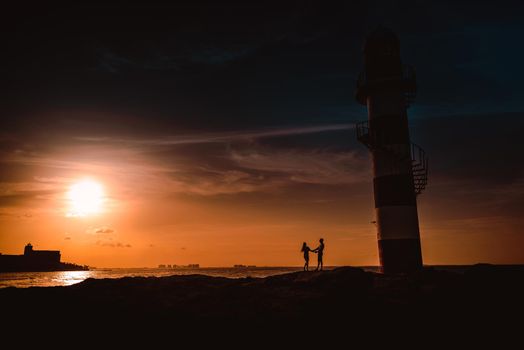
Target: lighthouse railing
[{"x": 419, "y": 159}]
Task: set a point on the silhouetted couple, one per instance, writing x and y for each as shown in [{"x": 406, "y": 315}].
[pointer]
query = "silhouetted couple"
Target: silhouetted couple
[{"x": 320, "y": 253}]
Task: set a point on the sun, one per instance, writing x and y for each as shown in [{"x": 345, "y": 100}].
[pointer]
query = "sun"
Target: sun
[{"x": 85, "y": 198}]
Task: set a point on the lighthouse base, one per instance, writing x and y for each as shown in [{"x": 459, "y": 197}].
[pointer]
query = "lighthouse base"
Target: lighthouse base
[{"x": 400, "y": 255}]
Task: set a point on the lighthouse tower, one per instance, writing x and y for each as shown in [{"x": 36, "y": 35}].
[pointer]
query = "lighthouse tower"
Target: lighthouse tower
[{"x": 387, "y": 87}]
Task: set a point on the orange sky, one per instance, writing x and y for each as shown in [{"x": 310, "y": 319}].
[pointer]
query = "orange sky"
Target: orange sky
[
  {"x": 225, "y": 218},
  {"x": 225, "y": 134}
]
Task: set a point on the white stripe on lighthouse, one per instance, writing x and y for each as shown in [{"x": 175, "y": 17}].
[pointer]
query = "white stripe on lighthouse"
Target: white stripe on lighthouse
[{"x": 397, "y": 222}]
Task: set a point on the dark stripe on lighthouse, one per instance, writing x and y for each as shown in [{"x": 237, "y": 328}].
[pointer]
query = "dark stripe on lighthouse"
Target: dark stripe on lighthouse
[
  {"x": 390, "y": 129},
  {"x": 400, "y": 255},
  {"x": 394, "y": 190}
]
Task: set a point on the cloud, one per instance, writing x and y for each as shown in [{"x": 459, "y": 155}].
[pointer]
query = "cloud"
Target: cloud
[
  {"x": 99, "y": 230},
  {"x": 220, "y": 55},
  {"x": 223, "y": 137},
  {"x": 209, "y": 182},
  {"x": 206, "y": 163},
  {"x": 112, "y": 244},
  {"x": 113, "y": 63},
  {"x": 104, "y": 230},
  {"x": 245, "y": 168},
  {"x": 24, "y": 198},
  {"x": 57, "y": 180},
  {"x": 313, "y": 167},
  {"x": 67, "y": 238}
]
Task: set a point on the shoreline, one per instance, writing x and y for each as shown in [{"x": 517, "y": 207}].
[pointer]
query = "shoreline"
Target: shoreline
[
  {"x": 342, "y": 299},
  {"x": 67, "y": 278}
]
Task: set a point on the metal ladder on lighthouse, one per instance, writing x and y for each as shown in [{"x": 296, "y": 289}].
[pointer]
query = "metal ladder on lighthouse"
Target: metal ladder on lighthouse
[{"x": 419, "y": 159}]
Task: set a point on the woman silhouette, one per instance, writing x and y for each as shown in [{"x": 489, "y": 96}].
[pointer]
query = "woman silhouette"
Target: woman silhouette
[{"x": 306, "y": 250}]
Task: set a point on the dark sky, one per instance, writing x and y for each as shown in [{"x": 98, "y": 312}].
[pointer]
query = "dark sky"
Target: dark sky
[
  {"x": 248, "y": 98},
  {"x": 258, "y": 64}
]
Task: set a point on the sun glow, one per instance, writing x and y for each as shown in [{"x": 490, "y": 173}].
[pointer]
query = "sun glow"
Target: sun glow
[{"x": 85, "y": 198}]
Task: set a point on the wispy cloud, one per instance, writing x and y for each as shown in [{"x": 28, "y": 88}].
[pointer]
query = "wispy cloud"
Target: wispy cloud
[
  {"x": 314, "y": 167},
  {"x": 245, "y": 163},
  {"x": 99, "y": 230},
  {"x": 111, "y": 62},
  {"x": 218, "y": 55},
  {"x": 223, "y": 137},
  {"x": 113, "y": 244}
]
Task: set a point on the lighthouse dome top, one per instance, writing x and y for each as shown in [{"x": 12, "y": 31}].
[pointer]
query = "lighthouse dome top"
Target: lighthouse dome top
[{"x": 382, "y": 42}]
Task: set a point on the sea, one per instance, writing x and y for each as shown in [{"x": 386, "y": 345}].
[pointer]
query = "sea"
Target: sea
[{"x": 67, "y": 278}]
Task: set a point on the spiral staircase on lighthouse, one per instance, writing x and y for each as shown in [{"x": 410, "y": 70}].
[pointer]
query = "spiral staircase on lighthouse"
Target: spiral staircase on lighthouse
[
  {"x": 406, "y": 83},
  {"x": 419, "y": 159}
]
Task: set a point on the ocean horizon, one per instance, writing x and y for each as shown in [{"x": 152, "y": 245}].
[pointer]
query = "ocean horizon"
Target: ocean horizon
[{"x": 67, "y": 278}]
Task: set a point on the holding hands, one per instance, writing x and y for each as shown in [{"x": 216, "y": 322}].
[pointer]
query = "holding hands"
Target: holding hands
[{"x": 319, "y": 251}]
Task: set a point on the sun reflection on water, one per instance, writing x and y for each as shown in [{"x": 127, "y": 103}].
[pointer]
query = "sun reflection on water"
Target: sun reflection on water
[{"x": 67, "y": 278}]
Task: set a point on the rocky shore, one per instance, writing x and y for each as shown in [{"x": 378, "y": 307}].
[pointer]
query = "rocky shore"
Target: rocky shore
[{"x": 346, "y": 298}]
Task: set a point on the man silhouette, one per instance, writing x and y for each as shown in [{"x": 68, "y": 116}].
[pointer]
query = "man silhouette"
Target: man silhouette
[{"x": 320, "y": 251}]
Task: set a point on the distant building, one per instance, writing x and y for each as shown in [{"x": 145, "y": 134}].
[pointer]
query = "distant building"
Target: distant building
[
  {"x": 189, "y": 266},
  {"x": 42, "y": 256},
  {"x": 35, "y": 260}
]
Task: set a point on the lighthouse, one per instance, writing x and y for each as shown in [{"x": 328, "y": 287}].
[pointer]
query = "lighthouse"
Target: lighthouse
[{"x": 400, "y": 168}]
